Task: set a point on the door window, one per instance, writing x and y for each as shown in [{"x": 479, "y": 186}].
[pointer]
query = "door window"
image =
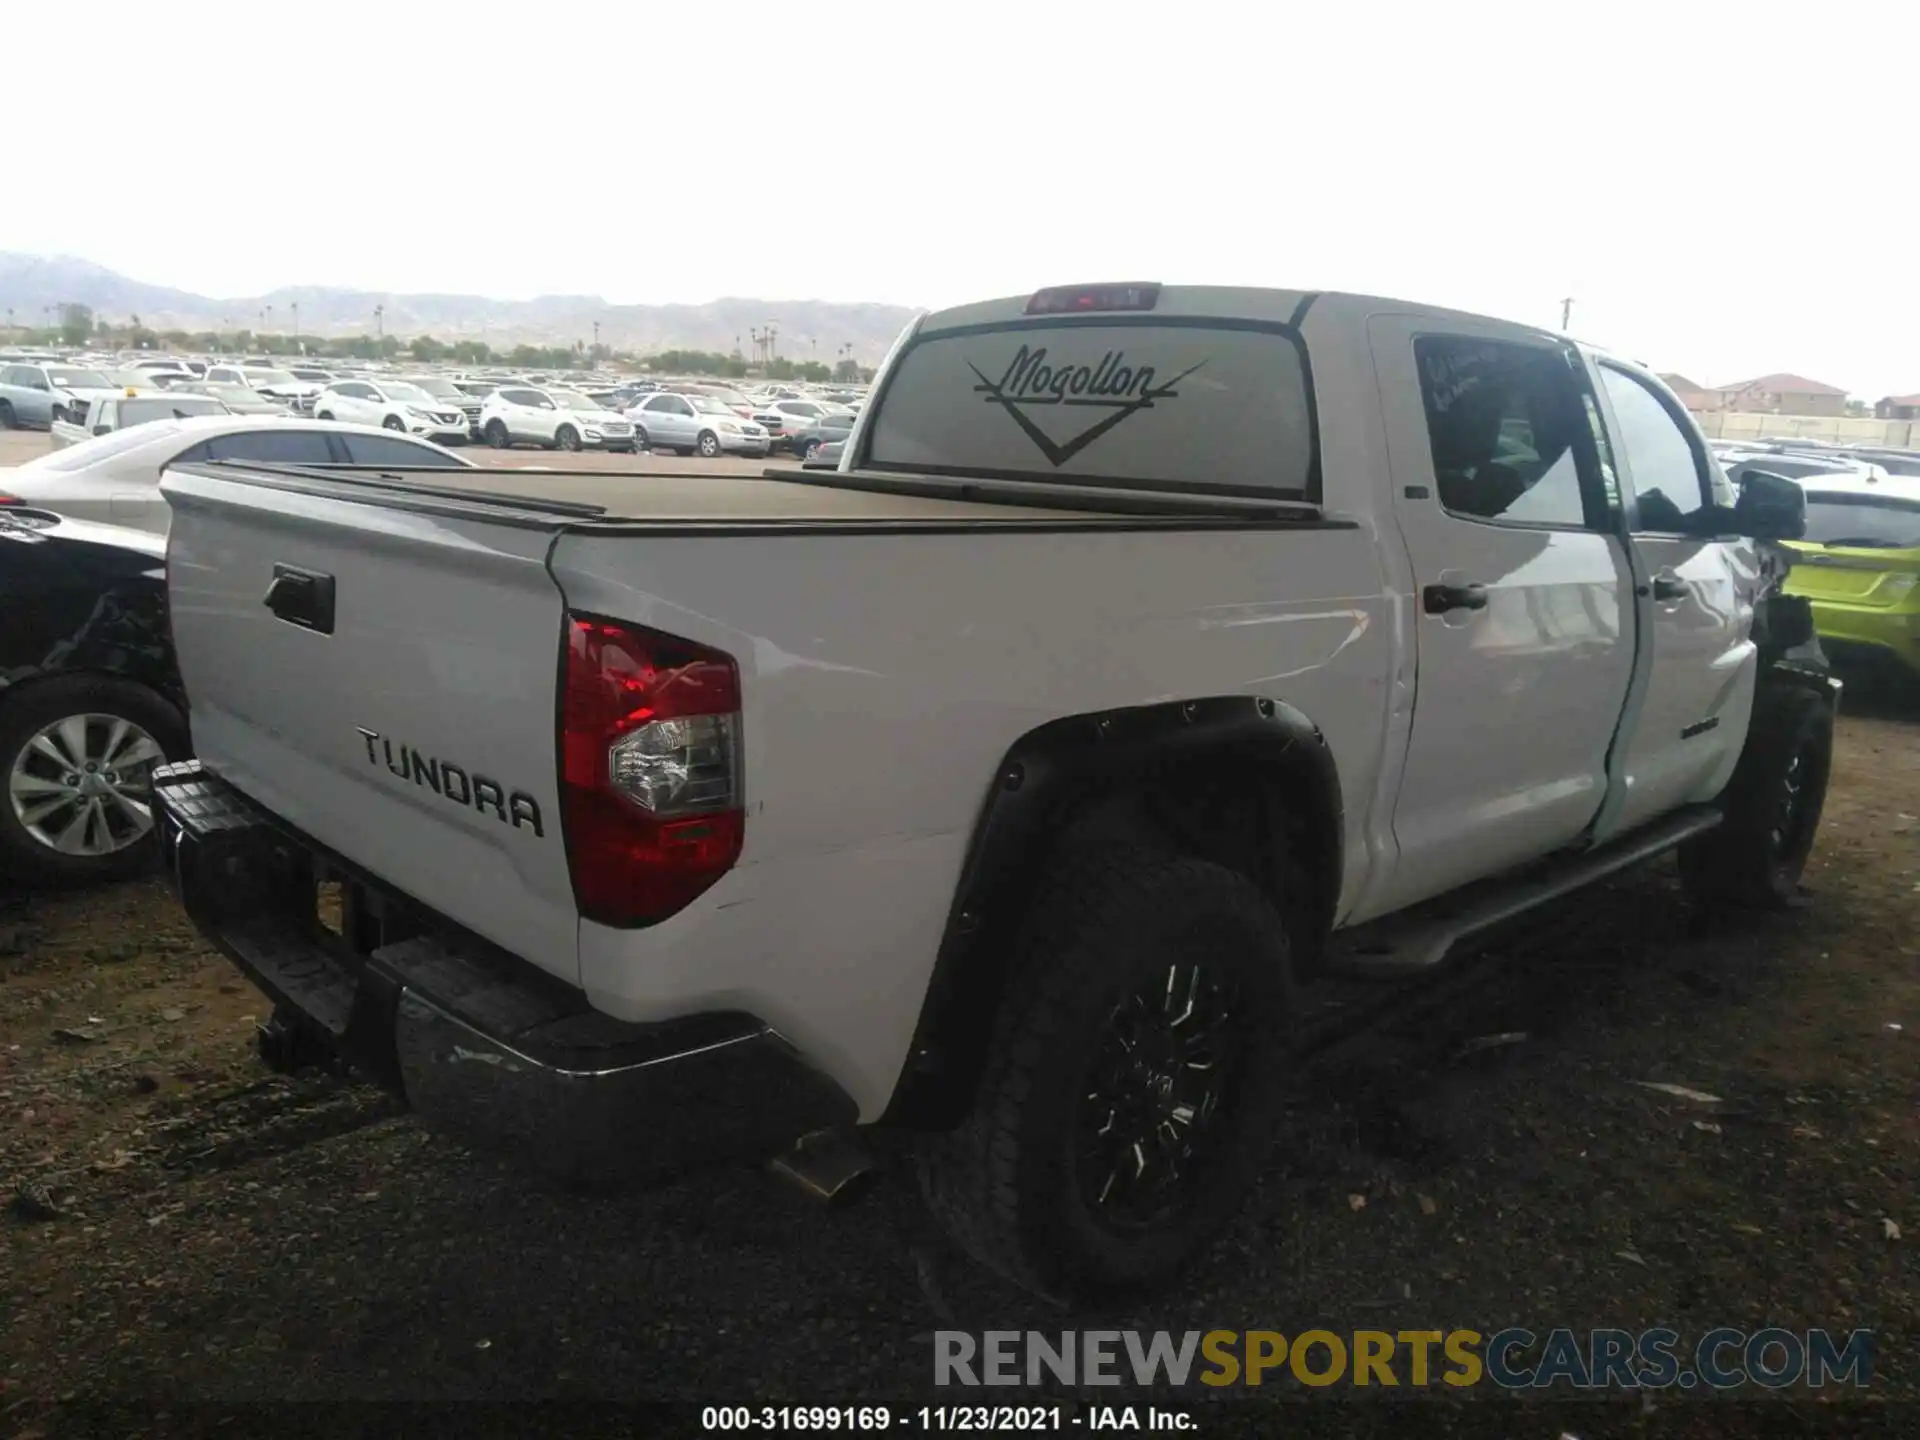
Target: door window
[
  {"x": 1503, "y": 421},
  {"x": 1671, "y": 484},
  {"x": 273, "y": 447},
  {"x": 392, "y": 450}
]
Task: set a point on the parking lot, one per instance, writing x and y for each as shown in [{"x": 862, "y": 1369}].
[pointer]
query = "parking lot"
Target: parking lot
[{"x": 1479, "y": 1154}]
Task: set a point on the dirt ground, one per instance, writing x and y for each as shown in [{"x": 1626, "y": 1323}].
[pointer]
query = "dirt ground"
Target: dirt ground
[{"x": 190, "y": 1227}]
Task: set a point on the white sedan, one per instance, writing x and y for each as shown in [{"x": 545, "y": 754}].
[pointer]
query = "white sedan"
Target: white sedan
[{"x": 116, "y": 478}]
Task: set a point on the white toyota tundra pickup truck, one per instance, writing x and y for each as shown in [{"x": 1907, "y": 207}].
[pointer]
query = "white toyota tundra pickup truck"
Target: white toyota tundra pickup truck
[{"x": 1152, "y": 651}]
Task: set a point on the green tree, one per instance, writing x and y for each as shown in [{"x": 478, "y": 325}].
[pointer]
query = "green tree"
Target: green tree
[
  {"x": 847, "y": 372},
  {"x": 427, "y": 350},
  {"x": 141, "y": 338},
  {"x": 76, "y": 323}
]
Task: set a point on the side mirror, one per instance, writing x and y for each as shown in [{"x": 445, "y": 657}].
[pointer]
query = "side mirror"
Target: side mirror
[{"x": 1770, "y": 507}]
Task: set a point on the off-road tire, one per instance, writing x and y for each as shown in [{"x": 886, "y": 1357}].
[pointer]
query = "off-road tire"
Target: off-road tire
[
  {"x": 29, "y": 710},
  {"x": 709, "y": 445},
  {"x": 1742, "y": 861},
  {"x": 1003, "y": 1183},
  {"x": 497, "y": 436}
]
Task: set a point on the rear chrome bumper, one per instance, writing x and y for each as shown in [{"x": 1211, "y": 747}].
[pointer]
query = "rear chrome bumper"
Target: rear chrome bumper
[{"x": 479, "y": 1043}]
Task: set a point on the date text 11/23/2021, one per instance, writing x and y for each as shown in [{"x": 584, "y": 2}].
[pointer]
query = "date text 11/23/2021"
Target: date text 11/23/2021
[{"x": 983, "y": 1419}]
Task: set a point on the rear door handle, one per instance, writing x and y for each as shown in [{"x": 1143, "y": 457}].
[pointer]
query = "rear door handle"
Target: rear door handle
[
  {"x": 302, "y": 597},
  {"x": 1441, "y": 599},
  {"x": 1669, "y": 587}
]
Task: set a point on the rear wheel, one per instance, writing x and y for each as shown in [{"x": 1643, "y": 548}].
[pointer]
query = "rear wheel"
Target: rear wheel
[
  {"x": 76, "y": 756},
  {"x": 1756, "y": 855},
  {"x": 496, "y": 434},
  {"x": 8, "y": 421},
  {"x": 806, "y": 451},
  {"x": 567, "y": 438},
  {"x": 709, "y": 444},
  {"x": 1131, "y": 1079}
]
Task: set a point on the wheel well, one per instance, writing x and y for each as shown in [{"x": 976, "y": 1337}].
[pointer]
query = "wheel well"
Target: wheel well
[{"x": 1246, "y": 784}]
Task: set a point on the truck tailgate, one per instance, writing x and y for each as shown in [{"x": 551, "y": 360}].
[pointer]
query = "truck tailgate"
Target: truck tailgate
[{"x": 412, "y": 729}]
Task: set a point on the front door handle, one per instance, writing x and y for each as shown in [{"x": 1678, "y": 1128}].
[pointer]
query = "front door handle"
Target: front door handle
[
  {"x": 1442, "y": 599},
  {"x": 1669, "y": 587}
]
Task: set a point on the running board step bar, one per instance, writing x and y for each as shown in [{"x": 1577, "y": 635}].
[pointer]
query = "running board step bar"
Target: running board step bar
[{"x": 1410, "y": 945}]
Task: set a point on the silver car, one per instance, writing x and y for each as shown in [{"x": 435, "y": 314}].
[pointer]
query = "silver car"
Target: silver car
[
  {"x": 695, "y": 425},
  {"x": 34, "y": 396}
]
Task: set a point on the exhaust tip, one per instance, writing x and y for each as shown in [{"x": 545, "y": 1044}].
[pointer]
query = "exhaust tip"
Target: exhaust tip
[{"x": 831, "y": 1167}]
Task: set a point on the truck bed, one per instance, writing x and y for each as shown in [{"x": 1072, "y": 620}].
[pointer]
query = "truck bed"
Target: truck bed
[
  {"x": 374, "y": 659},
  {"x": 787, "y": 496}
]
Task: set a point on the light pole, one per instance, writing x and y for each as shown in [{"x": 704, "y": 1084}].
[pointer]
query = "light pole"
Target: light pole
[
  {"x": 1566, "y": 311},
  {"x": 596, "y": 340},
  {"x": 380, "y": 323},
  {"x": 296, "y": 327}
]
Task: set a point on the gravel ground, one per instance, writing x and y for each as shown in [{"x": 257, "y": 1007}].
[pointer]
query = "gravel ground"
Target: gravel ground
[{"x": 191, "y": 1228}]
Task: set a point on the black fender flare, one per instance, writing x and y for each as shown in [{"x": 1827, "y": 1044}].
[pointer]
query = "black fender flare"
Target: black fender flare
[{"x": 1070, "y": 771}]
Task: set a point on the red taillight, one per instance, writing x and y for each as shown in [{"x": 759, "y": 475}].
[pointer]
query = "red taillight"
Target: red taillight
[
  {"x": 6, "y": 499},
  {"x": 1079, "y": 299},
  {"x": 649, "y": 770}
]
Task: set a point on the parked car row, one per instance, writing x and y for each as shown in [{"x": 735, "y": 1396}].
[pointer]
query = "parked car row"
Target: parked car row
[
  {"x": 567, "y": 411},
  {"x": 1859, "y": 561}
]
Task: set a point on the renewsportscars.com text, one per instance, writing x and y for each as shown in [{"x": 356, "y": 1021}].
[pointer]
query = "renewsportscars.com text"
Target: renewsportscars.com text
[{"x": 1512, "y": 1359}]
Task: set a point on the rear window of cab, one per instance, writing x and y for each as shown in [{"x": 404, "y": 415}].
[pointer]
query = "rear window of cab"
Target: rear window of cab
[{"x": 1171, "y": 404}]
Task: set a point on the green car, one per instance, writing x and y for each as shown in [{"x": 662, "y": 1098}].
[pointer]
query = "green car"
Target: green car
[{"x": 1859, "y": 565}]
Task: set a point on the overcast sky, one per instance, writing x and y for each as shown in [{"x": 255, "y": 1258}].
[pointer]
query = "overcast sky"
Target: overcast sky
[{"x": 1492, "y": 157}]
